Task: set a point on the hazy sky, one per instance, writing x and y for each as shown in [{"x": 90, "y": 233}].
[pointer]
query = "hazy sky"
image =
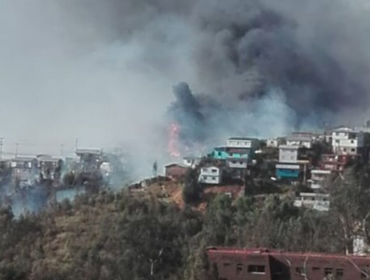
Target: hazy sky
[
  {"x": 103, "y": 71},
  {"x": 64, "y": 77}
]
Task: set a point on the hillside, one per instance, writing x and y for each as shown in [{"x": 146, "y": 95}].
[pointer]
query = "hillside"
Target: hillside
[{"x": 153, "y": 233}]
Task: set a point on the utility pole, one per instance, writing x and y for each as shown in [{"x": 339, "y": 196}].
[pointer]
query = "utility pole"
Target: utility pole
[
  {"x": 1, "y": 147},
  {"x": 61, "y": 150},
  {"x": 155, "y": 169},
  {"x": 16, "y": 149}
]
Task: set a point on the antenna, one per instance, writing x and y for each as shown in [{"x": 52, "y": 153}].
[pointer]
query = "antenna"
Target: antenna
[
  {"x": 1, "y": 147},
  {"x": 61, "y": 150}
]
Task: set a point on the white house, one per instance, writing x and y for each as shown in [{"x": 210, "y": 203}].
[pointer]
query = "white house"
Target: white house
[
  {"x": 288, "y": 154},
  {"x": 299, "y": 141},
  {"x": 210, "y": 175},
  {"x": 191, "y": 161},
  {"x": 274, "y": 142},
  {"x": 240, "y": 142},
  {"x": 317, "y": 201},
  {"x": 346, "y": 141},
  {"x": 318, "y": 178},
  {"x": 22, "y": 162}
]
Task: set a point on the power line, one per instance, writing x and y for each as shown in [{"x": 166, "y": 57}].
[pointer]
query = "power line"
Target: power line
[
  {"x": 16, "y": 149},
  {"x": 1, "y": 147}
]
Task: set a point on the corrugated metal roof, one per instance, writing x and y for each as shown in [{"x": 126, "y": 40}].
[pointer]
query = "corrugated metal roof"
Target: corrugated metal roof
[
  {"x": 298, "y": 138},
  {"x": 176, "y": 164},
  {"x": 88, "y": 151},
  {"x": 242, "y": 138}
]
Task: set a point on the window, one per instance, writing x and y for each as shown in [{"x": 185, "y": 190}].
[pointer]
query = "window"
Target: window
[
  {"x": 300, "y": 271},
  {"x": 352, "y": 141},
  {"x": 328, "y": 271},
  {"x": 256, "y": 269},
  {"x": 339, "y": 272},
  {"x": 344, "y": 150},
  {"x": 315, "y": 268},
  {"x": 227, "y": 264},
  {"x": 353, "y": 150},
  {"x": 239, "y": 268},
  {"x": 213, "y": 170},
  {"x": 337, "y": 141}
]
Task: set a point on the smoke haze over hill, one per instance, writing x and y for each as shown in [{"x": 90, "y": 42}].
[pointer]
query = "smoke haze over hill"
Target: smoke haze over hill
[{"x": 103, "y": 71}]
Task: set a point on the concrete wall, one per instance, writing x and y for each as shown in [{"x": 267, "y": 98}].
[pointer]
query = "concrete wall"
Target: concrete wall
[{"x": 288, "y": 155}]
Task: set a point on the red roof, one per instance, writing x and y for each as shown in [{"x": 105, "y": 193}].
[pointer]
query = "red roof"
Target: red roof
[{"x": 274, "y": 252}]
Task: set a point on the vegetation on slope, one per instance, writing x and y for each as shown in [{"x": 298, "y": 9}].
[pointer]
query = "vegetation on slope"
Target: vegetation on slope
[{"x": 117, "y": 236}]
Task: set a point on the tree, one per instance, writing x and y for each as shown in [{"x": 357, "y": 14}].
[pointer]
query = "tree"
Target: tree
[
  {"x": 350, "y": 196},
  {"x": 192, "y": 191}
]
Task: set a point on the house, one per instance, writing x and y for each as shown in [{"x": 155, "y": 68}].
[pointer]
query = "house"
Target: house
[
  {"x": 346, "y": 141},
  {"x": 176, "y": 171},
  {"x": 225, "y": 153},
  {"x": 49, "y": 167},
  {"x": 24, "y": 171},
  {"x": 235, "y": 153},
  {"x": 311, "y": 135},
  {"x": 23, "y": 162},
  {"x": 275, "y": 142},
  {"x": 317, "y": 201},
  {"x": 335, "y": 162},
  {"x": 264, "y": 264},
  {"x": 90, "y": 160},
  {"x": 318, "y": 178},
  {"x": 237, "y": 163},
  {"x": 243, "y": 143},
  {"x": 299, "y": 141},
  {"x": 191, "y": 161},
  {"x": 288, "y": 171},
  {"x": 220, "y": 153},
  {"x": 210, "y": 175},
  {"x": 288, "y": 154}
]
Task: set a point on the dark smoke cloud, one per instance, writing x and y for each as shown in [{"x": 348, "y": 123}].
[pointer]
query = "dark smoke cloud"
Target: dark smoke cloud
[
  {"x": 249, "y": 49},
  {"x": 104, "y": 69},
  {"x": 247, "y": 53}
]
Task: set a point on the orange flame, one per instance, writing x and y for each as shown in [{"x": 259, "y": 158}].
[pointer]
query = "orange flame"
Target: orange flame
[{"x": 174, "y": 130}]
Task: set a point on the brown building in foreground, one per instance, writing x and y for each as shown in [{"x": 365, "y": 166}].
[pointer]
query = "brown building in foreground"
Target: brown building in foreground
[
  {"x": 175, "y": 171},
  {"x": 260, "y": 264}
]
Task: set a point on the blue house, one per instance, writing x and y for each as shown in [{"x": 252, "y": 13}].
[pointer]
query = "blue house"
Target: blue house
[
  {"x": 240, "y": 153},
  {"x": 288, "y": 171},
  {"x": 219, "y": 153},
  {"x": 224, "y": 153}
]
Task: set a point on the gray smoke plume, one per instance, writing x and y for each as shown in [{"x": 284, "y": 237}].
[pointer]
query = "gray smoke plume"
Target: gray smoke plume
[
  {"x": 103, "y": 71},
  {"x": 271, "y": 67}
]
